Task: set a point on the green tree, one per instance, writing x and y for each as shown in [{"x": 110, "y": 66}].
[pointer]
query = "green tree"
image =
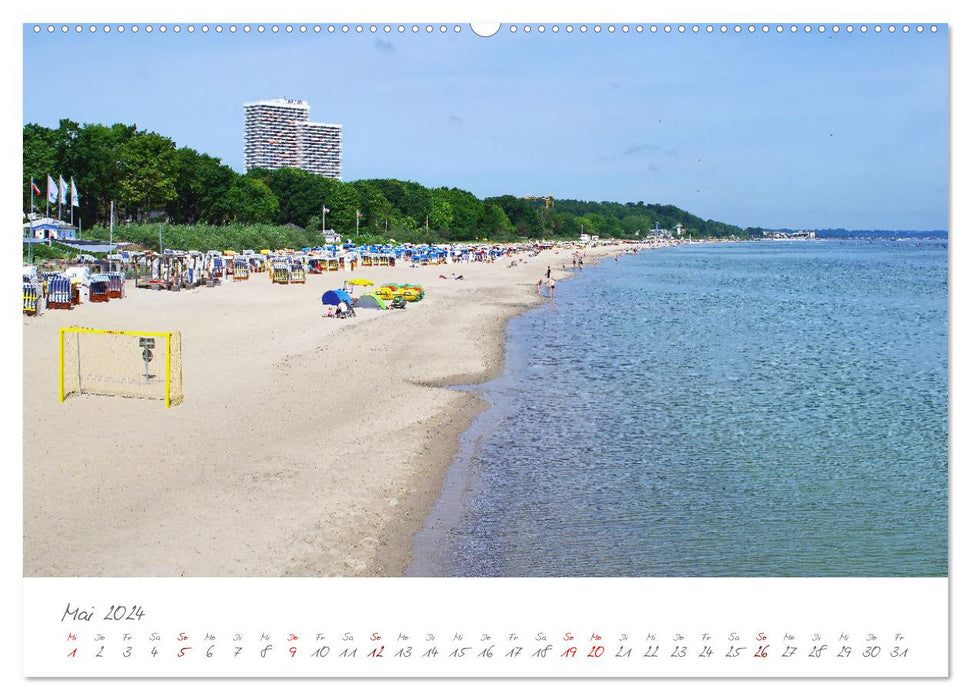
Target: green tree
[
  {"x": 376, "y": 208},
  {"x": 149, "y": 169},
  {"x": 494, "y": 222},
  {"x": 408, "y": 199},
  {"x": 565, "y": 225},
  {"x": 99, "y": 169},
  {"x": 343, "y": 201},
  {"x": 466, "y": 212},
  {"x": 300, "y": 194},
  {"x": 246, "y": 201},
  {"x": 39, "y": 160},
  {"x": 201, "y": 183},
  {"x": 522, "y": 214},
  {"x": 440, "y": 212}
]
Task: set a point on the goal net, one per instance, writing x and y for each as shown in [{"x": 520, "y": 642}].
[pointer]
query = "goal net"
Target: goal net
[{"x": 133, "y": 364}]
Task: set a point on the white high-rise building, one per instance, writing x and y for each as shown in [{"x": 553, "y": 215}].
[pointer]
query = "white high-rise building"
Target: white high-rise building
[{"x": 279, "y": 134}]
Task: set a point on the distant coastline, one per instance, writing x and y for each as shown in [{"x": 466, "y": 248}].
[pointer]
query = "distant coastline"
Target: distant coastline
[{"x": 876, "y": 233}]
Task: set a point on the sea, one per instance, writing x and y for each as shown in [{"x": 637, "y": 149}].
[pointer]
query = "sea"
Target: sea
[{"x": 768, "y": 409}]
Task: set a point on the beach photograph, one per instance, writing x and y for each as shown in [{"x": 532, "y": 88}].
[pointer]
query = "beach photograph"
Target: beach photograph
[{"x": 612, "y": 300}]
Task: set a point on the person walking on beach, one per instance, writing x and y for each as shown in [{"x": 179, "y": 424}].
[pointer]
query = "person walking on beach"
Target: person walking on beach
[
  {"x": 552, "y": 285},
  {"x": 547, "y": 272}
]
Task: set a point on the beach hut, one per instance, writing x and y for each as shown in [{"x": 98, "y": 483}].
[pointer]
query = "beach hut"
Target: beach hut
[{"x": 370, "y": 301}]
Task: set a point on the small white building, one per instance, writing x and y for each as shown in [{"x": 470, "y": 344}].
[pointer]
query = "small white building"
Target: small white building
[{"x": 46, "y": 229}]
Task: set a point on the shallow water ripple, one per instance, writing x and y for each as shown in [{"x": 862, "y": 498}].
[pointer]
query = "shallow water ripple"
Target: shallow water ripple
[{"x": 764, "y": 409}]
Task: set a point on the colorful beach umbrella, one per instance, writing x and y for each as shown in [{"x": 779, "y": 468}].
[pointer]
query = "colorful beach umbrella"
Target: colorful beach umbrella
[{"x": 361, "y": 282}]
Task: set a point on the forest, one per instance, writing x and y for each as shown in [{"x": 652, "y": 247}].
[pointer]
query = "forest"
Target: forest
[{"x": 199, "y": 199}]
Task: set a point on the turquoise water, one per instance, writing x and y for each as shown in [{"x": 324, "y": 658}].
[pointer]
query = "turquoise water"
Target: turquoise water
[{"x": 750, "y": 409}]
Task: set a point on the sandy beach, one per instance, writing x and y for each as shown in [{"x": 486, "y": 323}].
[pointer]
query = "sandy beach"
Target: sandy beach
[{"x": 305, "y": 446}]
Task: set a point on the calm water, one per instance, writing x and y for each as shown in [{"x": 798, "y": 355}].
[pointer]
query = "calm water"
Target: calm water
[{"x": 756, "y": 409}]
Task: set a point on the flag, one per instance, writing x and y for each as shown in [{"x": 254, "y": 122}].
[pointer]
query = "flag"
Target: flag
[
  {"x": 75, "y": 195},
  {"x": 359, "y": 215},
  {"x": 51, "y": 190},
  {"x": 63, "y": 189},
  {"x": 326, "y": 210},
  {"x": 34, "y": 187}
]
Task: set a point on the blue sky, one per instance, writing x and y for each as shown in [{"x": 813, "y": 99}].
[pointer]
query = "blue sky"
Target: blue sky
[{"x": 774, "y": 130}]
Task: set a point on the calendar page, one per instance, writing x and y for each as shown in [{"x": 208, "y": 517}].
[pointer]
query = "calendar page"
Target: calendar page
[{"x": 604, "y": 344}]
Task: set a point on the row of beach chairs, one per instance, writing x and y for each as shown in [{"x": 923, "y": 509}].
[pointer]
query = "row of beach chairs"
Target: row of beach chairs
[{"x": 57, "y": 291}]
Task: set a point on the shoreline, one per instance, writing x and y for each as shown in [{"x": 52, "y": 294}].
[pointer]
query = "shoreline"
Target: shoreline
[
  {"x": 396, "y": 552},
  {"x": 306, "y": 446}
]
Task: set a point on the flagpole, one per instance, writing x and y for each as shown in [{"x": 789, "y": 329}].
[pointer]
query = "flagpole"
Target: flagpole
[
  {"x": 111, "y": 224},
  {"x": 323, "y": 220}
]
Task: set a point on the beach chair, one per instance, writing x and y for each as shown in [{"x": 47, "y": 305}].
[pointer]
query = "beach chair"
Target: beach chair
[
  {"x": 98, "y": 289},
  {"x": 297, "y": 275},
  {"x": 31, "y": 299},
  {"x": 240, "y": 270},
  {"x": 281, "y": 275},
  {"x": 116, "y": 285},
  {"x": 59, "y": 293}
]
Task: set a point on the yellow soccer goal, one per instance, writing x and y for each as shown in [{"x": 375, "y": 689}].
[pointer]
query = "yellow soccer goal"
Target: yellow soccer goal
[{"x": 133, "y": 364}]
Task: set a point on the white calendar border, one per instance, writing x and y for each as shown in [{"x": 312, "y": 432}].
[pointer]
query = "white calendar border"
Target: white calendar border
[
  {"x": 534, "y": 627},
  {"x": 822, "y": 10}
]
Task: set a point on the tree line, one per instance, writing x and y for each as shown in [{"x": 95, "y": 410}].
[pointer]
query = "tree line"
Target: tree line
[{"x": 151, "y": 179}]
